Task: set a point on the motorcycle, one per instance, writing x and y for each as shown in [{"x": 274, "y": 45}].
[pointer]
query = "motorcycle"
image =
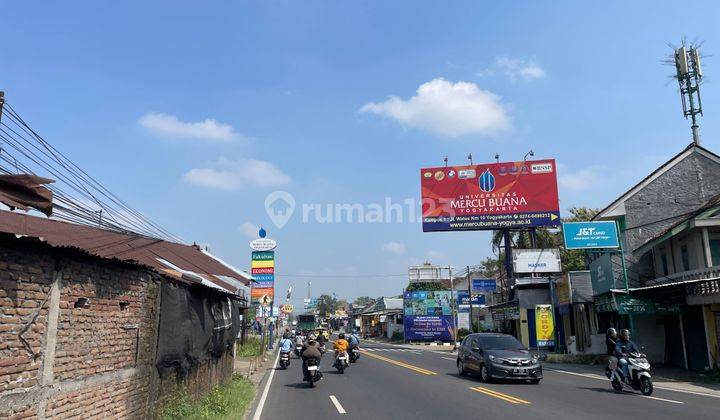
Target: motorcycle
[
  {"x": 314, "y": 374},
  {"x": 354, "y": 354},
  {"x": 639, "y": 380},
  {"x": 341, "y": 362},
  {"x": 284, "y": 359},
  {"x": 298, "y": 347}
]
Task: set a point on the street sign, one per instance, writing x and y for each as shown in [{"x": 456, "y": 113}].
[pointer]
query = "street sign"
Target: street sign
[
  {"x": 537, "y": 261},
  {"x": 263, "y": 244},
  {"x": 287, "y": 308},
  {"x": 484, "y": 285},
  {"x": 584, "y": 235},
  {"x": 265, "y": 301},
  {"x": 463, "y": 300}
]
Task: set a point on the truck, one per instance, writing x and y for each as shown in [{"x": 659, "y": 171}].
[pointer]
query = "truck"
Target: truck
[{"x": 306, "y": 322}]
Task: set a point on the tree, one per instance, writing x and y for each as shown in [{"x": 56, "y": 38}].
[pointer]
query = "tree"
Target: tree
[
  {"x": 426, "y": 286},
  {"x": 326, "y": 305},
  {"x": 362, "y": 301}
]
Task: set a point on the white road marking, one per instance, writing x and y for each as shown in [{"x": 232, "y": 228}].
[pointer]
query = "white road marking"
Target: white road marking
[
  {"x": 261, "y": 404},
  {"x": 663, "y": 399},
  {"x": 337, "y": 405},
  {"x": 448, "y": 358},
  {"x": 664, "y": 388}
]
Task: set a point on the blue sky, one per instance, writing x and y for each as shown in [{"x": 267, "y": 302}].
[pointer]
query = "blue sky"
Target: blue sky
[{"x": 194, "y": 113}]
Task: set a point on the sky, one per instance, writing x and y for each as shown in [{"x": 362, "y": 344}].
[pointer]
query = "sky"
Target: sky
[{"x": 195, "y": 112}]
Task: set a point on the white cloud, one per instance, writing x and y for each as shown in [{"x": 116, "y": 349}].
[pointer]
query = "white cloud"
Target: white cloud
[
  {"x": 394, "y": 248},
  {"x": 170, "y": 126},
  {"x": 516, "y": 69},
  {"x": 446, "y": 109},
  {"x": 250, "y": 230},
  {"x": 232, "y": 175},
  {"x": 580, "y": 180}
]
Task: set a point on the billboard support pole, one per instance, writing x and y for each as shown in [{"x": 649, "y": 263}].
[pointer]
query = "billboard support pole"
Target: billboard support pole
[{"x": 453, "y": 308}]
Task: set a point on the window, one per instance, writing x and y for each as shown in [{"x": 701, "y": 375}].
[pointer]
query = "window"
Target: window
[
  {"x": 685, "y": 257},
  {"x": 664, "y": 264},
  {"x": 715, "y": 251}
]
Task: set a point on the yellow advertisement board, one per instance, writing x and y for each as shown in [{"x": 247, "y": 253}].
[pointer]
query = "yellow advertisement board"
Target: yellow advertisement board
[{"x": 544, "y": 326}]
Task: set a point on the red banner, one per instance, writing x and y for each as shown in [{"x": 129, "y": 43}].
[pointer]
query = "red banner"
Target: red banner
[{"x": 490, "y": 196}]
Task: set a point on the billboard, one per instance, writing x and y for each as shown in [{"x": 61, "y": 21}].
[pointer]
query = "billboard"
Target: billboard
[
  {"x": 428, "y": 316},
  {"x": 606, "y": 274},
  {"x": 484, "y": 285},
  {"x": 262, "y": 268},
  {"x": 583, "y": 235},
  {"x": 544, "y": 326},
  {"x": 463, "y": 300},
  {"x": 427, "y": 273},
  {"x": 490, "y": 196},
  {"x": 536, "y": 261}
]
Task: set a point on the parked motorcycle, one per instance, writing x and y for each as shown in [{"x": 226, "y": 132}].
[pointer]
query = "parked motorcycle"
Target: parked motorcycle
[
  {"x": 314, "y": 374},
  {"x": 640, "y": 379},
  {"x": 354, "y": 354},
  {"x": 284, "y": 359},
  {"x": 341, "y": 362}
]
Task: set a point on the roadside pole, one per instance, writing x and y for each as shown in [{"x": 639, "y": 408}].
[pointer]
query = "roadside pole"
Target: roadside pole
[
  {"x": 453, "y": 307},
  {"x": 625, "y": 275},
  {"x": 472, "y": 327}
]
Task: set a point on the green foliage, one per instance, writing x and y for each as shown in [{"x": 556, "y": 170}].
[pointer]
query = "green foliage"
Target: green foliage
[
  {"x": 362, "y": 301},
  {"x": 429, "y": 287},
  {"x": 252, "y": 347},
  {"x": 228, "y": 401},
  {"x": 462, "y": 333},
  {"x": 327, "y": 305},
  {"x": 397, "y": 336}
]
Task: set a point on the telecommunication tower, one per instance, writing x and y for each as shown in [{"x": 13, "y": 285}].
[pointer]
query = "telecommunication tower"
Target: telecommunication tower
[{"x": 689, "y": 77}]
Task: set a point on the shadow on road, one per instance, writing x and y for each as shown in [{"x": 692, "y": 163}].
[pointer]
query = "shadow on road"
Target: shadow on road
[
  {"x": 298, "y": 385},
  {"x": 476, "y": 379},
  {"x": 608, "y": 391}
]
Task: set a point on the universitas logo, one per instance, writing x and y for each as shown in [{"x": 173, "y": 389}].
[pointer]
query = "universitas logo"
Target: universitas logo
[{"x": 487, "y": 181}]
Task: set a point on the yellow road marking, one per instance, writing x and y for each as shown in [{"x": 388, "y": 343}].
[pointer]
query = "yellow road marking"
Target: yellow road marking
[
  {"x": 398, "y": 363},
  {"x": 500, "y": 395}
]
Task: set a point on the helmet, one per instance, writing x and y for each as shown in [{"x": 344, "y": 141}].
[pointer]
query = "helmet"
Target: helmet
[
  {"x": 312, "y": 337},
  {"x": 341, "y": 335},
  {"x": 625, "y": 334},
  {"x": 612, "y": 332}
]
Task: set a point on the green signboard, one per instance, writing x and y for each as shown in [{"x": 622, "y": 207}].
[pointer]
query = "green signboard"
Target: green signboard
[
  {"x": 627, "y": 305},
  {"x": 602, "y": 274}
]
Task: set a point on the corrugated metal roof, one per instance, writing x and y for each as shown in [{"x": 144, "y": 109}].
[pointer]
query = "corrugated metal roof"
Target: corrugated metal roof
[{"x": 183, "y": 262}]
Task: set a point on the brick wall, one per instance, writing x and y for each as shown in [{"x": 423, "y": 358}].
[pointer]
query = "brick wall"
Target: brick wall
[{"x": 93, "y": 360}]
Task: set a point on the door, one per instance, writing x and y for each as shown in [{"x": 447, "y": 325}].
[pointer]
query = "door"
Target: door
[
  {"x": 474, "y": 358},
  {"x": 673, "y": 341},
  {"x": 695, "y": 344},
  {"x": 717, "y": 340}
]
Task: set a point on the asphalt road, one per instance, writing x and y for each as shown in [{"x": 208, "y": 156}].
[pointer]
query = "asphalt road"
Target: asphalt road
[{"x": 391, "y": 382}]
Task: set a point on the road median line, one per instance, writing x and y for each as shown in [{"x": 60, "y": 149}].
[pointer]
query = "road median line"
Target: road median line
[
  {"x": 499, "y": 395},
  {"x": 401, "y": 364}
]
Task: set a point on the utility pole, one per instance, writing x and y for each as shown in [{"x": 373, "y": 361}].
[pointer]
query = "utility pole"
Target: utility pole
[
  {"x": 508, "y": 257},
  {"x": 453, "y": 306},
  {"x": 472, "y": 327},
  {"x": 2, "y": 102}
]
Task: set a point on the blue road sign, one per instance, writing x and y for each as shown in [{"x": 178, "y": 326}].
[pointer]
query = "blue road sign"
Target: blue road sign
[
  {"x": 484, "y": 285},
  {"x": 583, "y": 235}
]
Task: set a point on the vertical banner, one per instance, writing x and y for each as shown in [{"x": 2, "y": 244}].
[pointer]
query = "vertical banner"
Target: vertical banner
[
  {"x": 544, "y": 326},
  {"x": 263, "y": 270}
]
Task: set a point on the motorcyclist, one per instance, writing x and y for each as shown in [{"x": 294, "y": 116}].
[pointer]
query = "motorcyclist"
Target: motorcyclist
[
  {"x": 353, "y": 340},
  {"x": 341, "y": 345},
  {"x": 623, "y": 348},
  {"x": 310, "y": 350},
  {"x": 610, "y": 341},
  {"x": 321, "y": 339},
  {"x": 286, "y": 343}
]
